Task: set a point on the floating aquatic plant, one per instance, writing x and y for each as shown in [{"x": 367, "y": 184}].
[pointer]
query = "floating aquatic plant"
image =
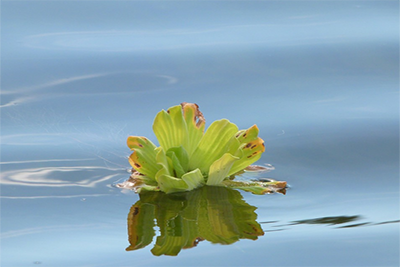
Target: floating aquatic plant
[{"x": 189, "y": 157}]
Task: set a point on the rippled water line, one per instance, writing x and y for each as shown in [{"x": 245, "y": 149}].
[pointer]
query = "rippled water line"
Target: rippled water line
[
  {"x": 39, "y": 177},
  {"x": 56, "y": 196},
  {"x": 341, "y": 225},
  {"x": 169, "y": 80},
  {"x": 55, "y": 83},
  {"x": 17, "y": 101},
  {"x": 156, "y": 39},
  {"x": 45, "y": 160}
]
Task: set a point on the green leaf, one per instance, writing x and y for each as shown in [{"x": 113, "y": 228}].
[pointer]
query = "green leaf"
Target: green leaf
[
  {"x": 143, "y": 159},
  {"x": 177, "y": 169},
  {"x": 213, "y": 145},
  {"x": 246, "y": 136},
  {"x": 164, "y": 163},
  {"x": 247, "y": 146},
  {"x": 193, "y": 179},
  {"x": 170, "y": 128},
  {"x": 256, "y": 187},
  {"x": 181, "y": 155},
  {"x": 169, "y": 184},
  {"x": 220, "y": 168},
  {"x": 189, "y": 181},
  {"x": 249, "y": 153},
  {"x": 242, "y": 137},
  {"x": 195, "y": 123}
]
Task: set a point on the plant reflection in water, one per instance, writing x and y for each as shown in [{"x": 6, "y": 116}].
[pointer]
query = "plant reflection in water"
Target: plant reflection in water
[{"x": 216, "y": 214}]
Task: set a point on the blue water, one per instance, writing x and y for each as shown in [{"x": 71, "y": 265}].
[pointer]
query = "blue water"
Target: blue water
[{"x": 320, "y": 79}]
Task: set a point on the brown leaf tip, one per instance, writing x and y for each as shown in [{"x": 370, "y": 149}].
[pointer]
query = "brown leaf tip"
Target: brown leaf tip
[{"x": 198, "y": 116}]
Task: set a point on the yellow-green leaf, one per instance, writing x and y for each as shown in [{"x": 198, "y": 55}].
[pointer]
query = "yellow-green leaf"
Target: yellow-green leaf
[
  {"x": 213, "y": 145},
  {"x": 220, "y": 168}
]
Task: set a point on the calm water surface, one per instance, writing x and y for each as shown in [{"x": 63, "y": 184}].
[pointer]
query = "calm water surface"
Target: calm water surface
[{"x": 320, "y": 79}]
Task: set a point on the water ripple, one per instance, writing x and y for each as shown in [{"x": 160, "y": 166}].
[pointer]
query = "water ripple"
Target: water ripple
[{"x": 82, "y": 176}]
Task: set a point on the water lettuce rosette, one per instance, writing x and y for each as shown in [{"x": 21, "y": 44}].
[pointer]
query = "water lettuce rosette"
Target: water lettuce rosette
[{"x": 189, "y": 157}]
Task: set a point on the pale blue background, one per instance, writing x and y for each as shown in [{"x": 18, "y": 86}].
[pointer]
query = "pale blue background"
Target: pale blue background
[{"x": 320, "y": 79}]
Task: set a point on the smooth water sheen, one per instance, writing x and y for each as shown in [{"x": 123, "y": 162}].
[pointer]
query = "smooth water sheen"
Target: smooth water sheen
[{"x": 320, "y": 79}]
